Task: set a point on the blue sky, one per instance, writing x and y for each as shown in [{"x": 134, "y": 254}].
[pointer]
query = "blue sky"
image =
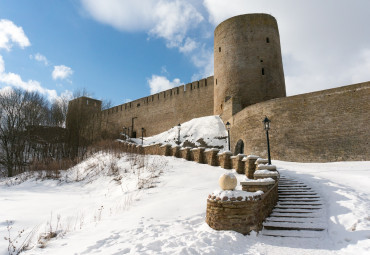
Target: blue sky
[{"x": 127, "y": 49}]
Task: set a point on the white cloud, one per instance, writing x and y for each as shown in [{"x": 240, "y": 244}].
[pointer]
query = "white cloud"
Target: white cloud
[
  {"x": 11, "y": 34},
  {"x": 326, "y": 51},
  {"x": 167, "y": 19},
  {"x": 160, "y": 83},
  {"x": 41, "y": 58},
  {"x": 61, "y": 72},
  {"x": 14, "y": 80},
  {"x": 203, "y": 60},
  {"x": 188, "y": 46}
]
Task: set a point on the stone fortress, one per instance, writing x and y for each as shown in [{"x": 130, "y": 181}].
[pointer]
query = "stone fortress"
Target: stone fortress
[{"x": 248, "y": 84}]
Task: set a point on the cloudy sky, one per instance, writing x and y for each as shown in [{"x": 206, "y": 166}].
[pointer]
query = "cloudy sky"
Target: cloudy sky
[{"x": 127, "y": 49}]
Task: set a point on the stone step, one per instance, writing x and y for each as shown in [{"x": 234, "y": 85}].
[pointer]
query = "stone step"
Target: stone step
[
  {"x": 294, "y": 215},
  {"x": 286, "y": 210},
  {"x": 288, "y": 202},
  {"x": 299, "y": 199},
  {"x": 291, "y": 219},
  {"x": 286, "y": 194},
  {"x": 304, "y": 207},
  {"x": 296, "y": 191},
  {"x": 293, "y": 226},
  {"x": 294, "y": 188},
  {"x": 292, "y": 233}
]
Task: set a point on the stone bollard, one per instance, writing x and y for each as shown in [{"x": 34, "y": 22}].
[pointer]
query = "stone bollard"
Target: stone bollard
[
  {"x": 185, "y": 153},
  {"x": 260, "y": 174},
  {"x": 198, "y": 154},
  {"x": 224, "y": 159},
  {"x": 260, "y": 184},
  {"x": 211, "y": 158},
  {"x": 176, "y": 151},
  {"x": 165, "y": 150},
  {"x": 266, "y": 167},
  {"x": 249, "y": 165},
  {"x": 262, "y": 161},
  {"x": 238, "y": 163},
  {"x": 140, "y": 149}
]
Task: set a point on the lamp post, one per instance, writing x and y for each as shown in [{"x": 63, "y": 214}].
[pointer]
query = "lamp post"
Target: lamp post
[
  {"x": 266, "y": 125},
  {"x": 178, "y": 137},
  {"x": 142, "y": 136},
  {"x": 228, "y": 133}
]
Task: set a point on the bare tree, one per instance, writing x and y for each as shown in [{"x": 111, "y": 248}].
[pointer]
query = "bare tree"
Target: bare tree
[{"x": 12, "y": 125}]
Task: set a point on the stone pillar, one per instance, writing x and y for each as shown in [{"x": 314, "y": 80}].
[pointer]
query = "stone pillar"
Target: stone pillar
[
  {"x": 165, "y": 150},
  {"x": 198, "y": 155},
  {"x": 250, "y": 165},
  {"x": 211, "y": 157},
  {"x": 237, "y": 163},
  {"x": 255, "y": 185},
  {"x": 185, "y": 153},
  {"x": 224, "y": 159},
  {"x": 176, "y": 151},
  {"x": 260, "y": 174},
  {"x": 140, "y": 149}
]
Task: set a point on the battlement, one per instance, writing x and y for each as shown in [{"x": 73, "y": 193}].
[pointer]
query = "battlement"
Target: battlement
[{"x": 187, "y": 90}]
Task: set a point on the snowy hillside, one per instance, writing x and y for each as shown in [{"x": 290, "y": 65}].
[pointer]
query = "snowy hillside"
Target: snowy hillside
[
  {"x": 200, "y": 132},
  {"x": 125, "y": 204}
]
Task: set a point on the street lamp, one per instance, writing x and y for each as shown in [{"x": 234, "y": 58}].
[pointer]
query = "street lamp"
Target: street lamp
[
  {"x": 266, "y": 125},
  {"x": 228, "y": 133},
  {"x": 178, "y": 137},
  {"x": 142, "y": 136}
]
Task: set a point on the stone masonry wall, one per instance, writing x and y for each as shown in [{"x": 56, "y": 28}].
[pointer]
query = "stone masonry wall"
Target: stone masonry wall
[
  {"x": 329, "y": 125},
  {"x": 159, "y": 112}
]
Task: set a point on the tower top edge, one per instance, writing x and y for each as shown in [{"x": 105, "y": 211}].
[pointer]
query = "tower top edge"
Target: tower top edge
[{"x": 253, "y": 18}]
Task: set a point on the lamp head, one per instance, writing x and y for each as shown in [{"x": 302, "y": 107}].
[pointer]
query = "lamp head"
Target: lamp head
[
  {"x": 228, "y": 125},
  {"x": 266, "y": 123}
]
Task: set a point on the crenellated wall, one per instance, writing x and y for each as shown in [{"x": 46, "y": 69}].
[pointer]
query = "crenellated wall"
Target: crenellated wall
[{"x": 159, "y": 112}]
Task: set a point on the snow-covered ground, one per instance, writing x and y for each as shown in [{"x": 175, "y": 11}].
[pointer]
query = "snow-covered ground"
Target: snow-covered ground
[
  {"x": 98, "y": 208},
  {"x": 202, "y": 131}
]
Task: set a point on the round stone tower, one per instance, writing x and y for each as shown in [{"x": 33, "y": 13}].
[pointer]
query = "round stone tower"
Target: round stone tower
[{"x": 248, "y": 64}]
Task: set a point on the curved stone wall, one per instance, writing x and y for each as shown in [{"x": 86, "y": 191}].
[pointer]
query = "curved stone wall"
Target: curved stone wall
[{"x": 247, "y": 62}]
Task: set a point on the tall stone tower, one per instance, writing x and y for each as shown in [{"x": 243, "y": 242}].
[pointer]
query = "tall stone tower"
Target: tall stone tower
[{"x": 248, "y": 63}]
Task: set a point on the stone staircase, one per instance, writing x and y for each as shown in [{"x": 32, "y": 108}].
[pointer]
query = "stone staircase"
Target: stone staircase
[{"x": 298, "y": 213}]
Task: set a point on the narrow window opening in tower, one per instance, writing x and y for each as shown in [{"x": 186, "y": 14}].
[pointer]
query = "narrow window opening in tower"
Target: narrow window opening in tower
[
  {"x": 261, "y": 60},
  {"x": 221, "y": 106},
  {"x": 267, "y": 40},
  {"x": 205, "y": 82},
  {"x": 263, "y": 71},
  {"x": 219, "y": 49},
  {"x": 198, "y": 85},
  {"x": 216, "y": 81}
]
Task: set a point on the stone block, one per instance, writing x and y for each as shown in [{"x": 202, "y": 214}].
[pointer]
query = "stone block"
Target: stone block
[
  {"x": 238, "y": 163},
  {"x": 250, "y": 166},
  {"x": 185, "y": 153},
  {"x": 224, "y": 159},
  {"x": 211, "y": 157},
  {"x": 198, "y": 155}
]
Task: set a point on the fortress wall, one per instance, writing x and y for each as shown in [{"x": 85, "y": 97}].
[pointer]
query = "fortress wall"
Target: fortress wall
[
  {"x": 329, "y": 125},
  {"x": 161, "y": 111}
]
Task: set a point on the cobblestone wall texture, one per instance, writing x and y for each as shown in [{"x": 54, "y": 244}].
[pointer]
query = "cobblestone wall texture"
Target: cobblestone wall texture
[{"x": 329, "y": 125}]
